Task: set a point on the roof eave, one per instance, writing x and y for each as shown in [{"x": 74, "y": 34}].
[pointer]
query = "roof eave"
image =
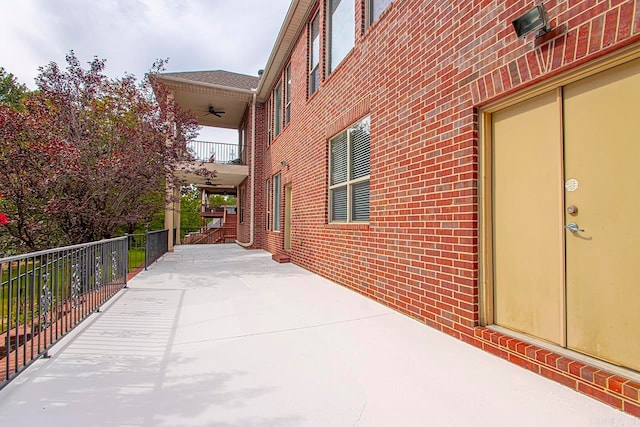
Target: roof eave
[
  {"x": 293, "y": 25},
  {"x": 204, "y": 84}
]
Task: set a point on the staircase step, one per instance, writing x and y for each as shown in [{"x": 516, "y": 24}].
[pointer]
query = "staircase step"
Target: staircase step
[{"x": 281, "y": 258}]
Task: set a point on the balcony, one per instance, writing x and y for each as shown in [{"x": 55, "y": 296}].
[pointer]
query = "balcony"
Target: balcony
[
  {"x": 222, "y": 153},
  {"x": 228, "y": 160},
  {"x": 217, "y": 335}
]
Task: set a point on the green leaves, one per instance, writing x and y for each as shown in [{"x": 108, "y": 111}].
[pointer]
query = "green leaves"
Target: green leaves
[{"x": 11, "y": 92}]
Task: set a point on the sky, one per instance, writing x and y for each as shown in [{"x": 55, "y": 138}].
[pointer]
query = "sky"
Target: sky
[{"x": 232, "y": 35}]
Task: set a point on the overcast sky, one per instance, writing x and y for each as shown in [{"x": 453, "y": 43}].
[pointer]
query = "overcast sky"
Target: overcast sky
[{"x": 232, "y": 35}]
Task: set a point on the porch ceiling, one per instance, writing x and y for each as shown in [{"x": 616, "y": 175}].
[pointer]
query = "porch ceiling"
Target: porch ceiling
[
  {"x": 226, "y": 175},
  {"x": 198, "y": 96}
]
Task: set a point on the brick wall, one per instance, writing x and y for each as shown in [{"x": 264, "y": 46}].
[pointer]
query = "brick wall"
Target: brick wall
[
  {"x": 244, "y": 232},
  {"x": 420, "y": 71}
]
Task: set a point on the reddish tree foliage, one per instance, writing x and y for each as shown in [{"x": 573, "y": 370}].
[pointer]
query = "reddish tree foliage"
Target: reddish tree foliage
[{"x": 87, "y": 155}]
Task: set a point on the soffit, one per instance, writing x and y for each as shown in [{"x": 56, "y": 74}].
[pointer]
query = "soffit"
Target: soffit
[
  {"x": 197, "y": 96},
  {"x": 290, "y": 31}
]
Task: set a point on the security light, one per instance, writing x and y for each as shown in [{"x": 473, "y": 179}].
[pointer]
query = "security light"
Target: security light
[{"x": 534, "y": 19}]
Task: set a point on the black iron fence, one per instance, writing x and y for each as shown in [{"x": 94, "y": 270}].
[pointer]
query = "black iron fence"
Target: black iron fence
[
  {"x": 157, "y": 245},
  {"x": 217, "y": 152},
  {"x": 146, "y": 248},
  {"x": 44, "y": 295}
]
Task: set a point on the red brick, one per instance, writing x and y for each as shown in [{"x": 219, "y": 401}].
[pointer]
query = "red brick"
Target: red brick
[
  {"x": 600, "y": 395},
  {"x": 419, "y": 252},
  {"x": 558, "y": 377},
  {"x": 631, "y": 408},
  {"x": 587, "y": 372},
  {"x": 563, "y": 364},
  {"x": 524, "y": 363},
  {"x": 575, "y": 368},
  {"x": 616, "y": 383},
  {"x": 601, "y": 378},
  {"x": 631, "y": 390}
]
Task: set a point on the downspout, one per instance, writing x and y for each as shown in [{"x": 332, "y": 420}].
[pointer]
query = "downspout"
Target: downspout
[{"x": 253, "y": 177}]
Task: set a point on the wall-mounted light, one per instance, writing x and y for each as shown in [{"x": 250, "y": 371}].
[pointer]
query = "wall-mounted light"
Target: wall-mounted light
[
  {"x": 532, "y": 20},
  {"x": 283, "y": 163}
]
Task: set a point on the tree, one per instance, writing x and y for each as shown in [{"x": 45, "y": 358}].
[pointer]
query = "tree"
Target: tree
[
  {"x": 190, "y": 205},
  {"x": 11, "y": 92},
  {"x": 87, "y": 154}
]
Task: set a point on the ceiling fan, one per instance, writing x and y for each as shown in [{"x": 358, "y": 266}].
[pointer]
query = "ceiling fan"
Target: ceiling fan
[{"x": 211, "y": 110}]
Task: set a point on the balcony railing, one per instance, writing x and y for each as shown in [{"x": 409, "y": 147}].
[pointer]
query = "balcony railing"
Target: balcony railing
[
  {"x": 217, "y": 152},
  {"x": 44, "y": 295}
]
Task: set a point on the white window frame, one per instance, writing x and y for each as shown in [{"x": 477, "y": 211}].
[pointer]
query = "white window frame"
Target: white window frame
[{"x": 348, "y": 183}]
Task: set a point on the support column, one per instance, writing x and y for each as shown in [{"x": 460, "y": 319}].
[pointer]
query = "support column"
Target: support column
[
  {"x": 168, "y": 214},
  {"x": 176, "y": 215}
]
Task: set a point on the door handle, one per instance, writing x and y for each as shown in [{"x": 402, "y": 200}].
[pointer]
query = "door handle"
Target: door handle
[{"x": 573, "y": 227}]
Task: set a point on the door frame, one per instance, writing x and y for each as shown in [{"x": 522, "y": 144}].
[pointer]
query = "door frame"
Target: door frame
[{"x": 485, "y": 171}]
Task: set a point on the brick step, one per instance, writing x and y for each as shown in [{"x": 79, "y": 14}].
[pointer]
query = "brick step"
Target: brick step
[{"x": 281, "y": 258}]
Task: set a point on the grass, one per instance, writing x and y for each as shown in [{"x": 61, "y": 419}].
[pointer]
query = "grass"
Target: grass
[{"x": 136, "y": 258}]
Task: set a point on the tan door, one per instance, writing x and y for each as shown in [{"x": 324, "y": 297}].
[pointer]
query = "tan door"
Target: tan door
[
  {"x": 527, "y": 218},
  {"x": 287, "y": 218},
  {"x": 602, "y": 149}
]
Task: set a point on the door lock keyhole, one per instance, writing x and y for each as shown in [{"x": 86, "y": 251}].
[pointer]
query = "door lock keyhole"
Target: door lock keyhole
[{"x": 572, "y": 210}]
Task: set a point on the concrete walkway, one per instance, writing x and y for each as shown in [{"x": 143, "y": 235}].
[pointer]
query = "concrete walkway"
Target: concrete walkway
[{"x": 220, "y": 336}]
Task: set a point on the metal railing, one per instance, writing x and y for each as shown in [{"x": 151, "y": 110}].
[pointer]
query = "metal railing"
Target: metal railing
[
  {"x": 157, "y": 243},
  {"x": 44, "y": 295},
  {"x": 217, "y": 152},
  {"x": 146, "y": 248}
]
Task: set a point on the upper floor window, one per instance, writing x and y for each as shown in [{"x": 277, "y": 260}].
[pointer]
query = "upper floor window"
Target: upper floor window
[
  {"x": 269, "y": 123},
  {"x": 287, "y": 95},
  {"x": 243, "y": 144},
  {"x": 277, "y": 110},
  {"x": 341, "y": 31},
  {"x": 349, "y": 174},
  {"x": 314, "y": 54},
  {"x": 375, "y": 9}
]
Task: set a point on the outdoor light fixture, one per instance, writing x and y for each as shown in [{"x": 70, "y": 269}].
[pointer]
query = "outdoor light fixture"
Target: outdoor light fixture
[
  {"x": 534, "y": 19},
  {"x": 283, "y": 163}
]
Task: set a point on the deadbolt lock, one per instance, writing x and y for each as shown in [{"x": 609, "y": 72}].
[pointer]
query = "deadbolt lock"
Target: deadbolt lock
[{"x": 572, "y": 210}]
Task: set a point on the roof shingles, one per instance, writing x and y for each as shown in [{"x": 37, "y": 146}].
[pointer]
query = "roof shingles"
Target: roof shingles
[{"x": 218, "y": 77}]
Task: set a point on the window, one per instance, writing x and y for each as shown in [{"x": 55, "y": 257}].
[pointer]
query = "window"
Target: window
[
  {"x": 276, "y": 202},
  {"x": 267, "y": 193},
  {"x": 349, "y": 174},
  {"x": 269, "y": 102},
  {"x": 241, "y": 201},
  {"x": 341, "y": 31},
  {"x": 314, "y": 54},
  {"x": 375, "y": 9},
  {"x": 277, "y": 110},
  {"x": 287, "y": 95},
  {"x": 243, "y": 145}
]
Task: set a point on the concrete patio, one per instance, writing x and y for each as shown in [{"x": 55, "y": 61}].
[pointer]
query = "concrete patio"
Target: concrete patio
[{"x": 220, "y": 336}]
